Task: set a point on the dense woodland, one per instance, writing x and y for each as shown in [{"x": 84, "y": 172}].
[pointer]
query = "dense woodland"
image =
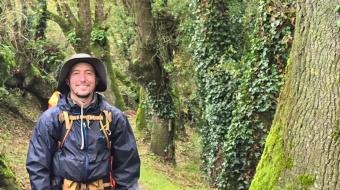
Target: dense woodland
[{"x": 258, "y": 80}]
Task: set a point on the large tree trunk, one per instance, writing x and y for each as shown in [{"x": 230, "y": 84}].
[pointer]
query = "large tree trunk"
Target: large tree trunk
[
  {"x": 147, "y": 70},
  {"x": 162, "y": 136},
  {"x": 301, "y": 151},
  {"x": 113, "y": 94}
]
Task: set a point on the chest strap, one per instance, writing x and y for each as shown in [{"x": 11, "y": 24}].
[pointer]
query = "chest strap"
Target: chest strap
[{"x": 105, "y": 128}]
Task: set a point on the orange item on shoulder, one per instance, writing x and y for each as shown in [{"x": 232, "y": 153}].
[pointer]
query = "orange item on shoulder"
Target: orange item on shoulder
[{"x": 53, "y": 99}]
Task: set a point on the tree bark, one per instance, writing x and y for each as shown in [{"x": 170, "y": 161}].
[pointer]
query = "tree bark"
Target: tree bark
[
  {"x": 162, "y": 136},
  {"x": 301, "y": 151}
]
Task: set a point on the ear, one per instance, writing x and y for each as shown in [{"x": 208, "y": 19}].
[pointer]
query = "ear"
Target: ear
[{"x": 67, "y": 82}]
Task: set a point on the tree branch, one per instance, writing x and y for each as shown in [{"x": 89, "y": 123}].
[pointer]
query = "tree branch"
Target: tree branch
[
  {"x": 63, "y": 23},
  {"x": 69, "y": 15}
]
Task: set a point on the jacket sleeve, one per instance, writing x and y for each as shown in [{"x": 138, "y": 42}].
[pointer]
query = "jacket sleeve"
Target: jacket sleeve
[
  {"x": 43, "y": 144},
  {"x": 126, "y": 161}
]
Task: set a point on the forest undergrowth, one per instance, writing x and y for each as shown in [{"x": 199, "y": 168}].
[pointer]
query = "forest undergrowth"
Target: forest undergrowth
[{"x": 18, "y": 119}]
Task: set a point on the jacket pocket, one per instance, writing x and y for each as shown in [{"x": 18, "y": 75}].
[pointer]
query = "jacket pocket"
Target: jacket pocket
[
  {"x": 100, "y": 166},
  {"x": 69, "y": 167},
  {"x": 57, "y": 183}
]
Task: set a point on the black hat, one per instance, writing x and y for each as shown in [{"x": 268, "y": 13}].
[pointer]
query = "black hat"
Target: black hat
[{"x": 96, "y": 63}]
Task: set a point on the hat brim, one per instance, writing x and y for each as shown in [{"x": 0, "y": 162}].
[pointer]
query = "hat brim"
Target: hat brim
[{"x": 96, "y": 63}]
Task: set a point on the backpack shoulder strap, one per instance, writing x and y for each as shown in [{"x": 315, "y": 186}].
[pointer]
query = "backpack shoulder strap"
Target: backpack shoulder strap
[
  {"x": 68, "y": 124},
  {"x": 106, "y": 128}
]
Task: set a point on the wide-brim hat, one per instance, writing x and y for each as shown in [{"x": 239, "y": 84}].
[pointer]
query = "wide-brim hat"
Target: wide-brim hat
[{"x": 96, "y": 63}]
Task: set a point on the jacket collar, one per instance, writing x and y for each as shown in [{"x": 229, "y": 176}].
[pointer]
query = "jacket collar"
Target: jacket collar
[
  {"x": 67, "y": 104},
  {"x": 73, "y": 103}
]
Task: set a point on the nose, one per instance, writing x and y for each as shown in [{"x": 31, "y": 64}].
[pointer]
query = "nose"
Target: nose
[{"x": 82, "y": 77}]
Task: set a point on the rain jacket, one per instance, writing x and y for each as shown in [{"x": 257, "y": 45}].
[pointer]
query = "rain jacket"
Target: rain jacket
[{"x": 47, "y": 165}]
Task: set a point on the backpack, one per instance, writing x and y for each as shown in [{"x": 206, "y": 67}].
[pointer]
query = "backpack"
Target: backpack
[
  {"x": 105, "y": 128},
  {"x": 53, "y": 99},
  {"x": 68, "y": 119}
]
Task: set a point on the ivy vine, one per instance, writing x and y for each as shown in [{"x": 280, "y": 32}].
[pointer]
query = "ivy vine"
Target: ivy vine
[
  {"x": 7, "y": 61},
  {"x": 239, "y": 82}
]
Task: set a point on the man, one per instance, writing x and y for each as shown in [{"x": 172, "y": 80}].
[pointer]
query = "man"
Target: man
[{"x": 82, "y": 160}]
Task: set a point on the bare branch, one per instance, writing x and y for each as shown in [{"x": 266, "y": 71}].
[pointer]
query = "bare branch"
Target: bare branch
[{"x": 69, "y": 15}]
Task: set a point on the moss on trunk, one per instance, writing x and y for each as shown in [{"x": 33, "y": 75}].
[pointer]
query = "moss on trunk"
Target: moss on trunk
[
  {"x": 301, "y": 152},
  {"x": 272, "y": 163},
  {"x": 140, "y": 119},
  {"x": 7, "y": 177},
  {"x": 102, "y": 50}
]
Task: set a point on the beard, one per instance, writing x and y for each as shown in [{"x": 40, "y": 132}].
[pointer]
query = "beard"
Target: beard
[{"x": 83, "y": 96}]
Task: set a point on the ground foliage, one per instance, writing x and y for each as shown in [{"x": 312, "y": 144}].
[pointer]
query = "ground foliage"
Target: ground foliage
[
  {"x": 239, "y": 84},
  {"x": 18, "y": 114}
]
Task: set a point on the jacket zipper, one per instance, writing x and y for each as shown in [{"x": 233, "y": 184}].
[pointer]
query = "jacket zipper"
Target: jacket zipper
[
  {"x": 86, "y": 149},
  {"x": 86, "y": 144}
]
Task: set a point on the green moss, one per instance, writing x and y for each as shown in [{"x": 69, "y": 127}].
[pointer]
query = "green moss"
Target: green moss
[
  {"x": 33, "y": 73},
  {"x": 272, "y": 163},
  {"x": 120, "y": 104},
  {"x": 6, "y": 174},
  {"x": 289, "y": 63},
  {"x": 306, "y": 180},
  {"x": 336, "y": 133},
  {"x": 103, "y": 51},
  {"x": 141, "y": 118}
]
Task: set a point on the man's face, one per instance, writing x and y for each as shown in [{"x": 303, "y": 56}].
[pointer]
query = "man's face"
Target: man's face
[{"x": 82, "y": 80}]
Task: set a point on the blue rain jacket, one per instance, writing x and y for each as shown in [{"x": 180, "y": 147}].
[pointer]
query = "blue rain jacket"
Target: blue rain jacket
[{"x": 47, "y": 165}]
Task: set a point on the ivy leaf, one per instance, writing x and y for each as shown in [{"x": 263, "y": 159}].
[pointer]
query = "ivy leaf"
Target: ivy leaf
[{"x": 337, "y": 8}]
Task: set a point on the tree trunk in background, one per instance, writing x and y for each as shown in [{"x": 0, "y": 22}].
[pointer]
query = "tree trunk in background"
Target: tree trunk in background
[
  {"x": 147, "y": 70},
  {"x": 162, "y": 136},
  {"x": 101, "y": 49},
  {"x": 301, "y": 151},
  {"x": 103, "y": 52},
  {"x": 141, "y": 122},
  {"x": 81, "y": 26},
  {"x": 84, "y": 29}
]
